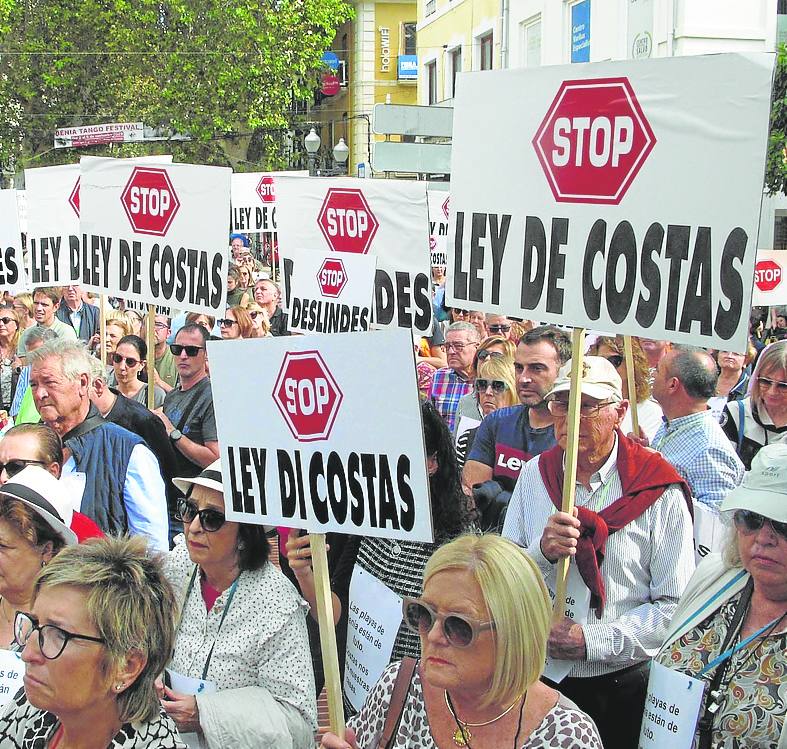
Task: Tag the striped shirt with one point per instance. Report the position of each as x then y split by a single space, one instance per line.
448 386
702 454
645 570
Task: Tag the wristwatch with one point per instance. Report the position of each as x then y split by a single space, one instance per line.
175 435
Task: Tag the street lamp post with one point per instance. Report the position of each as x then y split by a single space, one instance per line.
340 154
312 143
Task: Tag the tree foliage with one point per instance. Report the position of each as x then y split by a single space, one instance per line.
776 165
220 70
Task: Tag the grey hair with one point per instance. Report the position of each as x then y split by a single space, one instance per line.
74 357
468 327
695 369
39 333
772 357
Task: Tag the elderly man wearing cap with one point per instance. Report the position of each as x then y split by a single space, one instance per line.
730 628
630 544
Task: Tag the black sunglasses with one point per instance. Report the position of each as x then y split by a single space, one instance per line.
486 353
15 465
498 386
499 328
177 349
750 522
210 520
226 322
460 631
615 360
130 360
6 320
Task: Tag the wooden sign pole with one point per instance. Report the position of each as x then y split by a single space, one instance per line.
570 473
151 366
629 354
330 659
102 329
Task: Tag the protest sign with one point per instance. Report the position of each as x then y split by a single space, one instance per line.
770 282
12 275
156 233
627 207
384 218
254 201
330 292
12 671
439 203
315 456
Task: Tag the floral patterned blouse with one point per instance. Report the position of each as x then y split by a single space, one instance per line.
754 689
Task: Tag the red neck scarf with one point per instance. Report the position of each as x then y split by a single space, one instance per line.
644 475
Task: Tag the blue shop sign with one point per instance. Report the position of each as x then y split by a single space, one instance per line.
580 31
408 68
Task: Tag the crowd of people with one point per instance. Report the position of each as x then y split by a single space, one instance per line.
143 617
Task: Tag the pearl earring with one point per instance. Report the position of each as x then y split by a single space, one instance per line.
118 687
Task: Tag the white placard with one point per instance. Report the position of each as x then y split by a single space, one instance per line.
12 272
439 203
710 531
577 608
254 201
181 684
373 620
12 671
612 208
53 241
770 278
301 439
385 218
330 292
156 233
672 707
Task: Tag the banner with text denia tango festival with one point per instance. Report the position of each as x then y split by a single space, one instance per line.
156 233
384 218
631 201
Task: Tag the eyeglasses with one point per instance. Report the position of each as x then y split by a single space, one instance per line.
6 320
460 631
499 328
226 322
161 325
458 346
764 382
586 411
486 353
461 312
210 520
750 522
130 360
498 386
15 465
177 349
253 315
52 640
615 360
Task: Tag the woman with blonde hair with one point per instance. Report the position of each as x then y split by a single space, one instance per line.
483 620
9 364
23 306
261 327
118 326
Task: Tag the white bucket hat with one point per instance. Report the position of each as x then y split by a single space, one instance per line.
50 498
764 487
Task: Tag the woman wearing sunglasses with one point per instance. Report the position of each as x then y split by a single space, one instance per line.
241 674
98 630
128 363
9 364
260 327
730 628
760 419
235 324
483 620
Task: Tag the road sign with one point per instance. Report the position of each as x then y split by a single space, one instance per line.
307 395
73 198
446 207
332 277
347 222
265 189
150 201
330 84
593 140
767 275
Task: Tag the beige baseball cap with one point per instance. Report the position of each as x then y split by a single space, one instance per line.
764 487
599 380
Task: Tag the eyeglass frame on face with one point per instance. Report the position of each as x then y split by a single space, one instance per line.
191 351
42 638
778 385
476 627
499 328
226 322
613 358
560 408
484 354
24 463
160 325
186 507
131 362
458 346
6 320
498 386
748 522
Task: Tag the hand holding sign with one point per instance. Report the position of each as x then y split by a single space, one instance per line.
560 536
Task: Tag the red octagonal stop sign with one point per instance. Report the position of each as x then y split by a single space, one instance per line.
307 395
265 189
346 221
332 277
593 141
73 198
150 201
767 275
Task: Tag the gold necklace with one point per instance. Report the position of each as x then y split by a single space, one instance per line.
462 733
